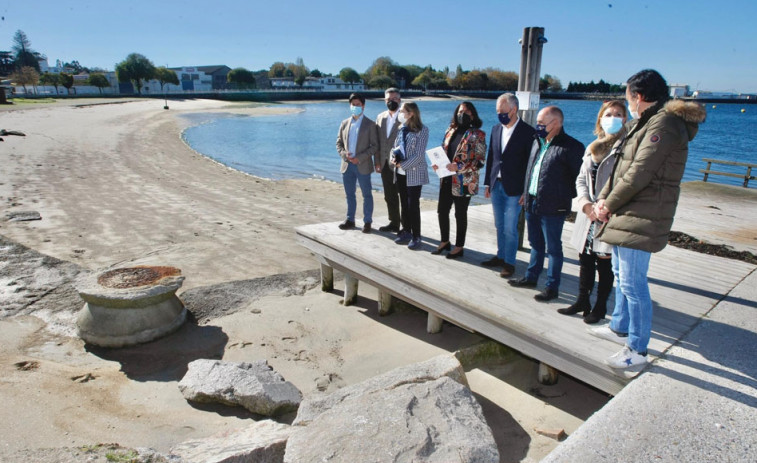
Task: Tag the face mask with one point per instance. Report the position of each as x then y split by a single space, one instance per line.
356 110
504 118
392 105
634 114
463 120
401 117
541 130
611 125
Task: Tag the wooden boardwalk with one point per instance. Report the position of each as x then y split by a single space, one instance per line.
684 285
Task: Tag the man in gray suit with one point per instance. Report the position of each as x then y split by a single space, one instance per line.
388 127
357 144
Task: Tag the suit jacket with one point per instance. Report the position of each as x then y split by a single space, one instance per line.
385 143
366 148
513 161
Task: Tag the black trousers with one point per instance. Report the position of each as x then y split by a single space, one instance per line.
446 200
391 195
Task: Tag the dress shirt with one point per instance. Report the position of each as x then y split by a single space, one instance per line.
352 137
390 122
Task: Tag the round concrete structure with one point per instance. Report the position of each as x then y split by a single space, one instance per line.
130 306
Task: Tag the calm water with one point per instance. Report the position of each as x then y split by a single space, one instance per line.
302 144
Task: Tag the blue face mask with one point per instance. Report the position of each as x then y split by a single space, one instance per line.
356 110
611 125
541 130
504 118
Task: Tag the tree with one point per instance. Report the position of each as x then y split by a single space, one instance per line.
50 79
241 77
316 73
501 80
75 67
475 80
166 76
551 83
98 80
382 82
67 80
24 53
6 63
300 71
26 75
135 68
457 80
277 69
349 75
424 78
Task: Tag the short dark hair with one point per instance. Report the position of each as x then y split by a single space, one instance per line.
649 84
475 122
357 96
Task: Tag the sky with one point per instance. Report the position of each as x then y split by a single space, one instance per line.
709 45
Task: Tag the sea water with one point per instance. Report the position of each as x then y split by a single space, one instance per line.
302 143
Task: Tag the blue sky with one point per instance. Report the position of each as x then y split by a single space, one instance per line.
710 45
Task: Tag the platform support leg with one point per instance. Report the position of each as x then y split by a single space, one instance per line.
350 289
385 301
547 375
434 324
327 278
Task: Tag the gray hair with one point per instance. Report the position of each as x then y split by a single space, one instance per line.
392 90
512 100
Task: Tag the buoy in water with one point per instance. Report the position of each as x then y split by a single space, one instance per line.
743 110
714 106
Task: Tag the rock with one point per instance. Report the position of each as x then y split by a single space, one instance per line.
262 442
23 216
556 434
433 421
443 365
254 386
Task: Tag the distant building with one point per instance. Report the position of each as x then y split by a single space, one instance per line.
328 83
202 78
719 95
679 90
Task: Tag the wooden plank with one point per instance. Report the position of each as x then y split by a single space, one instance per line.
727 174
730 163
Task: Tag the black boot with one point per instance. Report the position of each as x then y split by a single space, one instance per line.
604 287
585 285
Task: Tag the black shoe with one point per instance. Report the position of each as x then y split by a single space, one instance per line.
547 295
389 228
595 316
456 255
367 228
493 262
441 249
347 225
579 306
507 271
522 283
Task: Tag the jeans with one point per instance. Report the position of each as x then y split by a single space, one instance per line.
506 214
633 304
350 178
545 230
446 200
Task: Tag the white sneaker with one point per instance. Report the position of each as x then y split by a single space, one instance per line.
626 358
605 332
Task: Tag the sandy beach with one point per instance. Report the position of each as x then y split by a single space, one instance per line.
116 186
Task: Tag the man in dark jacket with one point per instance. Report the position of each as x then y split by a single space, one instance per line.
550 185
639 203
509 149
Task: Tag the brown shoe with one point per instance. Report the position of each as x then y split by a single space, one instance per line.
507 271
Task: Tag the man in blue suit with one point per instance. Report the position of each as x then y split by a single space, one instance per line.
509 149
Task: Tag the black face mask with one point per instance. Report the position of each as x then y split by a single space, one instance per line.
463 120
392 105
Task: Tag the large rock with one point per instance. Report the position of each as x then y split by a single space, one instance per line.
434 421
254 386
262 442
437 367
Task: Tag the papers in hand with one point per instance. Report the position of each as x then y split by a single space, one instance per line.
438 158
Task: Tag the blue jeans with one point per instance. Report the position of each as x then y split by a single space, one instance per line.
506 213
545 230
633 304
350 178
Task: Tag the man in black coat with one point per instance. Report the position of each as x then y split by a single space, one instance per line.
550 186
509 149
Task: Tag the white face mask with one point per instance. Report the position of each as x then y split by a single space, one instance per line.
401 117
634 113
611 125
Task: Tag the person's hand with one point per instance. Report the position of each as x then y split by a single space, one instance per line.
471 188
435 167
522 200
378 168
588 210
601 211
487 193
452 167
355 161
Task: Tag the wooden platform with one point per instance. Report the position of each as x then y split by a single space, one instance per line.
684 285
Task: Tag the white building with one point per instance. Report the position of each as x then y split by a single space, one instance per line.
329 83
678 90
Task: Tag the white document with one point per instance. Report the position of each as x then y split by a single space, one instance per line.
439 158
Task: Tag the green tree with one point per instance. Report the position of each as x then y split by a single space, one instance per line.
300 71
277 69
475 80
382 66
316 73
98 80
24 76
349 75
501 80
166 76
135 68
551 83
382 82
75 67
25 56
67 80
457 80
241 77
424 78
50 79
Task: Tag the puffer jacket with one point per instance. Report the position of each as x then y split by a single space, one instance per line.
642 194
